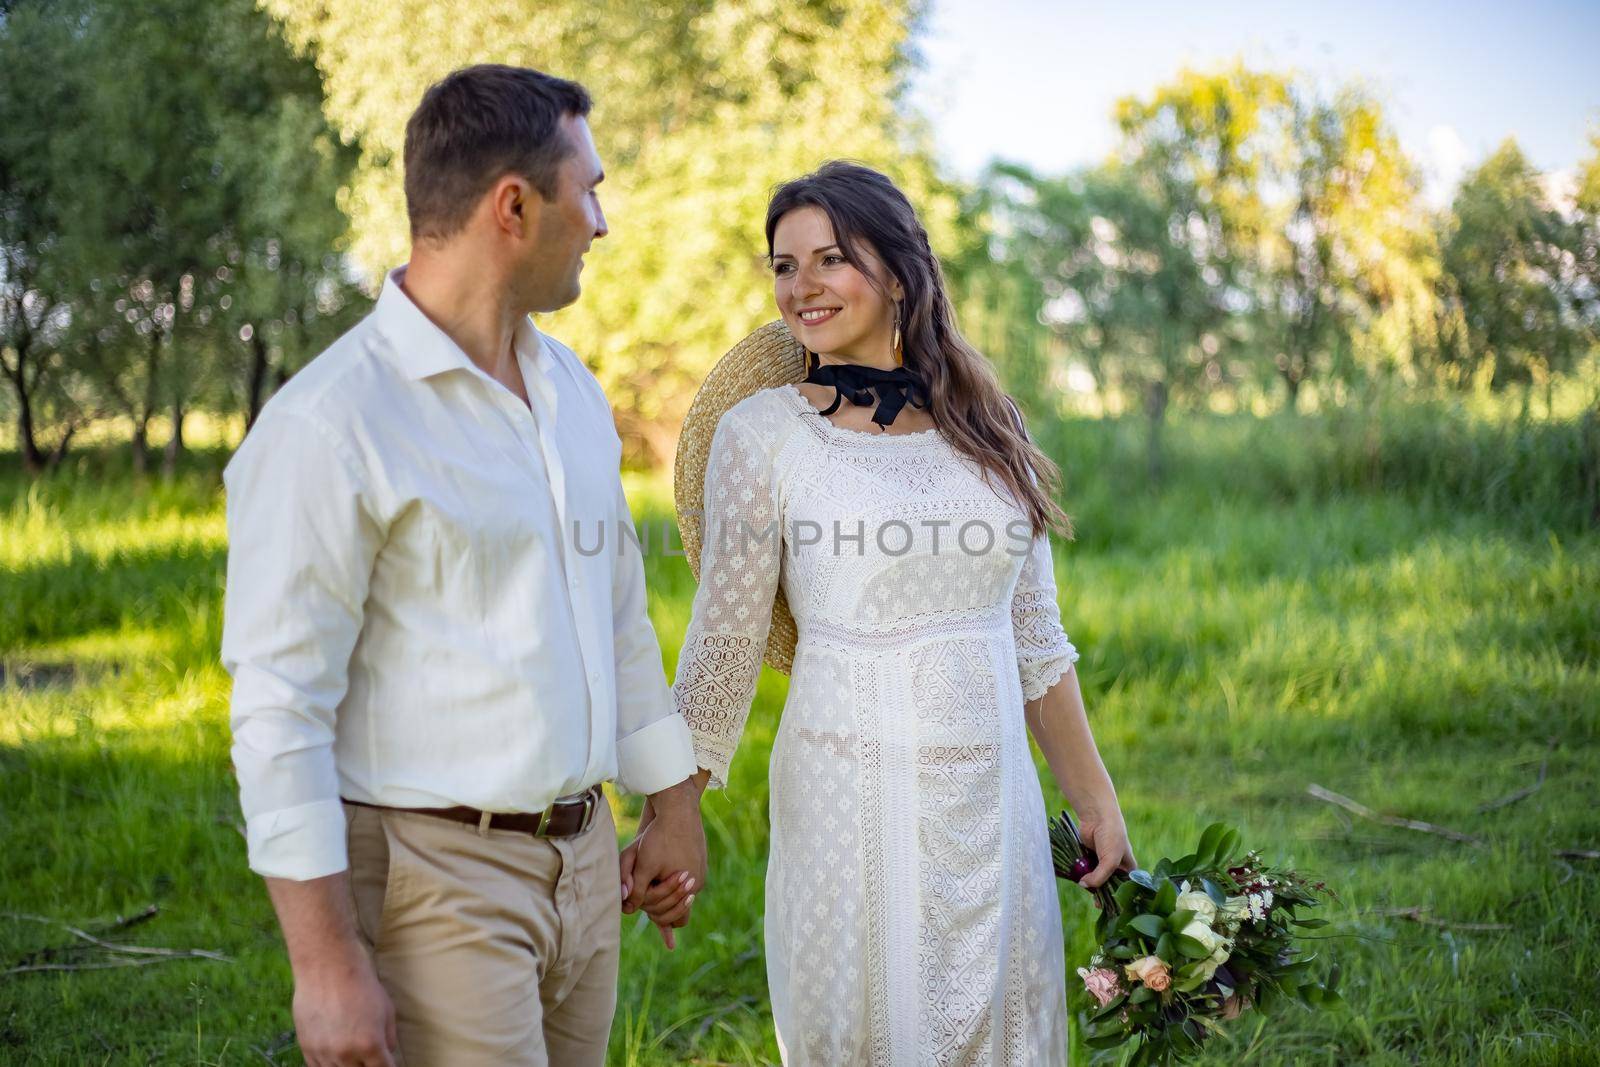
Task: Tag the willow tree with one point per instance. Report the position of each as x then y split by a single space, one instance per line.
1349 262
700 109
1518 308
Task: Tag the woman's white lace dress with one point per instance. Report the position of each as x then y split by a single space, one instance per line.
911 911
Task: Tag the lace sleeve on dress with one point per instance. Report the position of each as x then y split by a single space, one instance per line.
740 557
1043 652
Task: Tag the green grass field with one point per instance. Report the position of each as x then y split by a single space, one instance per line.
1406 613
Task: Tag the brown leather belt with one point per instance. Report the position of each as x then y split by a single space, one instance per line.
563 818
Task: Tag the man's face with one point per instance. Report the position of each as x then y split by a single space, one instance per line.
568 224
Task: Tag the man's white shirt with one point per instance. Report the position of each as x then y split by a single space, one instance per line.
431 599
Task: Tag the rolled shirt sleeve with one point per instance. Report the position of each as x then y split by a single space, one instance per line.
302 538
654 749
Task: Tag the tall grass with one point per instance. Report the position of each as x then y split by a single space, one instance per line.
1402 606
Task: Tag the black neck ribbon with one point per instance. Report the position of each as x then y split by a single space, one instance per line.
890 389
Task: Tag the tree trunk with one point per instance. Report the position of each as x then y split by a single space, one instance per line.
1155 409
146 408
33 459
257 383
141 439
174 449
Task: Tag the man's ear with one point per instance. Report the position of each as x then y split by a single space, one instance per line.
514 205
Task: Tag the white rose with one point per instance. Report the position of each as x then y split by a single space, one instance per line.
1209 939
1204 908
1219 947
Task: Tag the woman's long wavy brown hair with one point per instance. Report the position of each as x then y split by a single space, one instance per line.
966 401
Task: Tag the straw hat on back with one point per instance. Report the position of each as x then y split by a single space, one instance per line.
769 357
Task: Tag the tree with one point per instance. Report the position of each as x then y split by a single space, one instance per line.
34 309
1517 309
180 161
1348 245
701 108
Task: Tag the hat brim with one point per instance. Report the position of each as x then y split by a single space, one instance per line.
768 357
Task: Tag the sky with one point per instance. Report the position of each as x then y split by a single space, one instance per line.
1034 82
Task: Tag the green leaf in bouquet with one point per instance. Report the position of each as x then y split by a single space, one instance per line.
1166 897
1218 897
1105 1041
1125 894
1179 919
1309 924
1141 877
1333 978
1210 838
1186 864
1192 948
1125 951
1226 848
1149 925
1111 1008
1140 995
1102 1025
1165 948
1190 984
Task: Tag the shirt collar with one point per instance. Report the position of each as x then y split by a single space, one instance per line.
420 349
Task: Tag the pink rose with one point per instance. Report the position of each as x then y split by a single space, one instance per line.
1102 985
1152 971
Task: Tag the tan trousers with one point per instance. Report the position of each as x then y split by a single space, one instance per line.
496 949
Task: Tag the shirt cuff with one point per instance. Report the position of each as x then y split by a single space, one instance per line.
655 757
298 843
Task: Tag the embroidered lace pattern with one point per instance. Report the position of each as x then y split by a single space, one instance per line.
911 914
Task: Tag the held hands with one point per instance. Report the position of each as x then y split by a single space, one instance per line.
665 865
1105 834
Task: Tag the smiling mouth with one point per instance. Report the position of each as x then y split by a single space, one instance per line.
813 316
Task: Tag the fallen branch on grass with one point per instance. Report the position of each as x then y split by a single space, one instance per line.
1356 808
1577 853
1419 914
123 955
1526 791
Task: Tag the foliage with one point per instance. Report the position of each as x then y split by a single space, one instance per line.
1517 308
700 109
178 166
1194 941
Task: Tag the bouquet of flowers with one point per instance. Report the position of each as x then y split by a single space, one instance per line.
1193 942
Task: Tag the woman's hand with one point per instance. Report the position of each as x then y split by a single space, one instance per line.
668 898
1105 834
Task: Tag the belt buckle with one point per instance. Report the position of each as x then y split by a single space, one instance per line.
588 801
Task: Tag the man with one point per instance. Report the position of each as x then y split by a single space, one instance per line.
430 679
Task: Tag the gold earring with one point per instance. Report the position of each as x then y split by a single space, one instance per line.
899 350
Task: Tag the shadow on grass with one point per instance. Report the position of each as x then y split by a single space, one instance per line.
178 586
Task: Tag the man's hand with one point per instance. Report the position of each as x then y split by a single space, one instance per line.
343 1018
665 865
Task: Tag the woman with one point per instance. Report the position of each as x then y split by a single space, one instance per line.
911 913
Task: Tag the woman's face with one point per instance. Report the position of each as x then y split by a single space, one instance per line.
829 305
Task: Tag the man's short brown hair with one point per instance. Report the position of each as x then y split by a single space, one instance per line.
477 125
